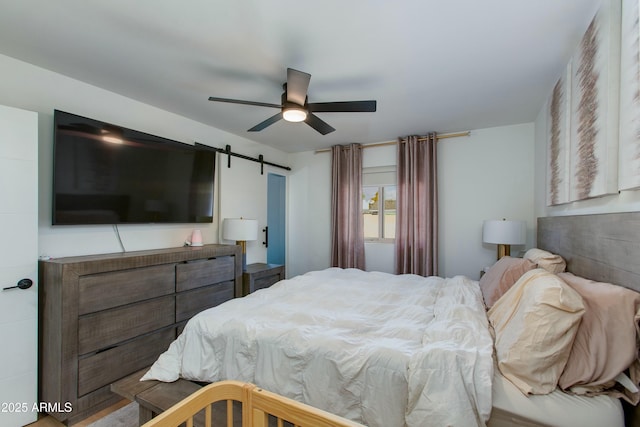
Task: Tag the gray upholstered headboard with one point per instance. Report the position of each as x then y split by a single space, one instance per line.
601 247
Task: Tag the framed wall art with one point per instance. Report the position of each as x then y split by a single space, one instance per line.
558 126
629 144
595 106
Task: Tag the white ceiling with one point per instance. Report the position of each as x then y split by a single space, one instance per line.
432 65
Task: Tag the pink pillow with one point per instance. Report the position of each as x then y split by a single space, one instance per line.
606 342
501 276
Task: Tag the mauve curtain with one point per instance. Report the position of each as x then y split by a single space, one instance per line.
347 235
417 206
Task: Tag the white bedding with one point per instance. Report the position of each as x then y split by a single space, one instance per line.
379 349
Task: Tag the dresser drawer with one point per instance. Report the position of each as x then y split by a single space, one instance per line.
106 290
105 328
110 365
196 274
192 302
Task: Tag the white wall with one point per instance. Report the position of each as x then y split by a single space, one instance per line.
309 211
625 201
241 189
488 175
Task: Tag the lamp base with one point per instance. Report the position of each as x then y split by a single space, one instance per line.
504 250
243 245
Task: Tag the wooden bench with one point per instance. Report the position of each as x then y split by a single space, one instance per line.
153 397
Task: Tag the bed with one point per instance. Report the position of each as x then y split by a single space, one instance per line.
335 338
394 370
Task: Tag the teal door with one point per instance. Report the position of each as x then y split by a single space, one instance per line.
276 192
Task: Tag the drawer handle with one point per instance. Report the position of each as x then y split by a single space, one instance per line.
102 350
194 261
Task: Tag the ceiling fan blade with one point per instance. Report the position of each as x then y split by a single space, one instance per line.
318 124
343 107
297 85
271 120
239 101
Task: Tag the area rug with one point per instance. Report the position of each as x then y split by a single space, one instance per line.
127 416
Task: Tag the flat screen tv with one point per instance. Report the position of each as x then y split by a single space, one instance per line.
108 174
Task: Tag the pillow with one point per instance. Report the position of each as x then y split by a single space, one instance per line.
535 323
501 276
606 343
550 262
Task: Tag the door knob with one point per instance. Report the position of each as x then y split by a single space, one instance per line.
22 284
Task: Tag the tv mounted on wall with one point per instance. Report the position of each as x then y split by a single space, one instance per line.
107 174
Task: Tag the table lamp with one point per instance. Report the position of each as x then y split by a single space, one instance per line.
241 230
503 233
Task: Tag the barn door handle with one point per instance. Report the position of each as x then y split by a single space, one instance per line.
22 284
266 237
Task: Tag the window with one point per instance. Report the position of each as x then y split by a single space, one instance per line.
379 210
379 204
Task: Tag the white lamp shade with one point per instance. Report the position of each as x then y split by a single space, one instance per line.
503 232
240 229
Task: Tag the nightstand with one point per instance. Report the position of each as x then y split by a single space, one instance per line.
260 275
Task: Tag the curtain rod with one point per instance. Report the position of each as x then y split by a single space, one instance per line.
380 144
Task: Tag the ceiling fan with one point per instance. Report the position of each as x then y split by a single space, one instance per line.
295 108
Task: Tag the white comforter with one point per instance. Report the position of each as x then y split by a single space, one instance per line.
376 348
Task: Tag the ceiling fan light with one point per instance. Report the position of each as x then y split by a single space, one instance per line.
112 139
294 114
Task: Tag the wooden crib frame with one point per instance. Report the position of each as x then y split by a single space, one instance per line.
257 406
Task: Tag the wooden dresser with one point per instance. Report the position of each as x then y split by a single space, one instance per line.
103 317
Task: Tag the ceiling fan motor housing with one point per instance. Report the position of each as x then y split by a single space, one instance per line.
291 111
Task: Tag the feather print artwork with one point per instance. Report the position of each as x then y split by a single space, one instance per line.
554 150
558 110
588 109
595 100
629 174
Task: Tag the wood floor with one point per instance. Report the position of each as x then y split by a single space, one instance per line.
49 421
